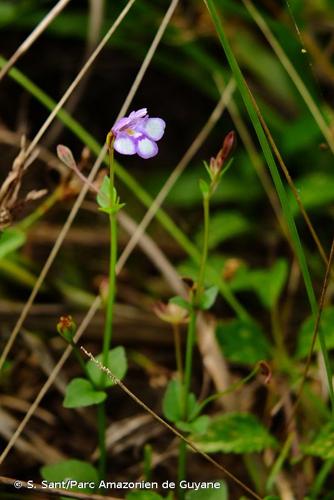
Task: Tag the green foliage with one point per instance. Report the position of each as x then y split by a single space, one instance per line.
323 444
197 426
305 333
103 198
220 493
172 403
71 469
10 240
81 392
181 302
208 298
225 225
235 433
117 363
243 342
266 283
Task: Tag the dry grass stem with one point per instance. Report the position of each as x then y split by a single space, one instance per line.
52 14
80 75
291 72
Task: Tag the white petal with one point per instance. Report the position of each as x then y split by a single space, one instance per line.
125 145
146 148
154 128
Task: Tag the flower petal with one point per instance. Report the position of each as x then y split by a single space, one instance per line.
125 145
146 148
154 128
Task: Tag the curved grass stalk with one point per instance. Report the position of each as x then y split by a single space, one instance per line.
249 103
298 82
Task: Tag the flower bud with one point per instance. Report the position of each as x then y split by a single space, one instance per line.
217 163
67 327
171 313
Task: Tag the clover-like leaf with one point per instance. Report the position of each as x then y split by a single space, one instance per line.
81 392
172 403
117 363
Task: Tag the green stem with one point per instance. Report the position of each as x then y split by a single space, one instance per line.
107 337
191 337
201 277
178 353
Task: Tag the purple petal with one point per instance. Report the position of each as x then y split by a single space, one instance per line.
154 128
121 124
134 115
146 148
125 144
129 121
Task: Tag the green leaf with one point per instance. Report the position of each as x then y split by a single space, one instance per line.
204 187
224 226
235 433
208 298
266 283
103 197
10 240
217 493
76 470
323 444
143 495
80 392
180 301
198 426
243 342
117 364
172 402
305 333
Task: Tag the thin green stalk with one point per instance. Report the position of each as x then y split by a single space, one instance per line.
129 181
148 462
200 282
276 468
326 468
248 101
107 337
178 353
191 335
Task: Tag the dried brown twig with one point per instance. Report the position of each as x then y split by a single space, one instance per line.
10 203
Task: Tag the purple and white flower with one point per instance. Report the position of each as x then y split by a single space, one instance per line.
137 134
